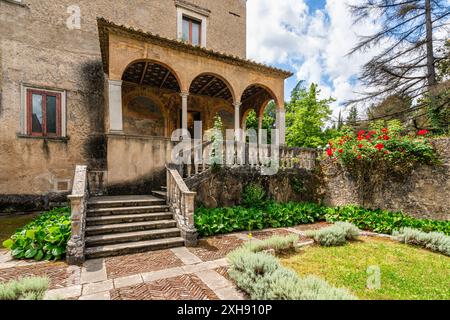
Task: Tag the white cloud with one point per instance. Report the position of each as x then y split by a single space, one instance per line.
314 44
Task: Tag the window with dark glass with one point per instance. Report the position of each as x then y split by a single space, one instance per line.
192 31
44 113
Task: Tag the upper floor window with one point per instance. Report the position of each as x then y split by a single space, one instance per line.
192 23
43 113
192 31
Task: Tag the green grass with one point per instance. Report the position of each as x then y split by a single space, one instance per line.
407 273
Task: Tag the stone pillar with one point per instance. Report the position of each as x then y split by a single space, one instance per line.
237 121
115 106
184 113
281 125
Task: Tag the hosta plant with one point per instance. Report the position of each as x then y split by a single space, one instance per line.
45 238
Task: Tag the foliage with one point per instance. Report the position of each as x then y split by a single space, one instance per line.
24 289
254 196
434 241
306 115
407 272
217 142
277 243
268 121
392 107
352 119
383 146
383 221
438 108
44 238
336 235
274 215
406 65
263 278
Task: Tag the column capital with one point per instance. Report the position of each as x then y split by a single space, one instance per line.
237 104
115 82
184 94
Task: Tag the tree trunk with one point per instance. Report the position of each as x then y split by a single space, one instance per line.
431 76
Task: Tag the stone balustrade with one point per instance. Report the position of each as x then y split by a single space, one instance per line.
181 202
78 203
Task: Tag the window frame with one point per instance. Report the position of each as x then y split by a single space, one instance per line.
191 22
29 112
197 15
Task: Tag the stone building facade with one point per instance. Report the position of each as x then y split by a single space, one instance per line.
110 91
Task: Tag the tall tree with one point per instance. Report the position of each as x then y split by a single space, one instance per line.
393 107
409 34
306 116
352 119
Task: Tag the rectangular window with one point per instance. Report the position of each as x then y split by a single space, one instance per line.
192 31
43 113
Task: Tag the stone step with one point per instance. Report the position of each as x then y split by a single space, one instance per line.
160 194
132 237
132 247
137 217
127 210
128 201
129 227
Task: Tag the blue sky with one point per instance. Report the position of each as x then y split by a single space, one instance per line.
311 38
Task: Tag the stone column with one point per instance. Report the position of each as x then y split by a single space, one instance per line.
184 113
237 121
281 125
115 106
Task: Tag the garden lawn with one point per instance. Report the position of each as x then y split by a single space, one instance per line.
407 272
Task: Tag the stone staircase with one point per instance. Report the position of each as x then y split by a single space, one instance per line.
130 224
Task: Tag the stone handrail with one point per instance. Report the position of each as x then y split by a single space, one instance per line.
181 202
256 155
78 203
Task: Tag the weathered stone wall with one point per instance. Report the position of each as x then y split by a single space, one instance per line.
425 192
224 186
38 49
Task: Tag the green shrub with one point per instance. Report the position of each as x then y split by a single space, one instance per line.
383 221
32 288
275 215
44 238
336 235
434 241
263 278
254 196
277 243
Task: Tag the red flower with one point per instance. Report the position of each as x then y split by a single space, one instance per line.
380 146
360 146
359 157
330 152
423 132
341 151
341 142
386 137
361 133
360 138
385 130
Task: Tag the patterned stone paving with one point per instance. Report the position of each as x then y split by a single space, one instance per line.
185 287
199 273
215 248
60 274
117 267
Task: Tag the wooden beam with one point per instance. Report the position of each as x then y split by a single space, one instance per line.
221 91
143 73
165 79
206 85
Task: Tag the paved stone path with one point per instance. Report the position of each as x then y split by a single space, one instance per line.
181 273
